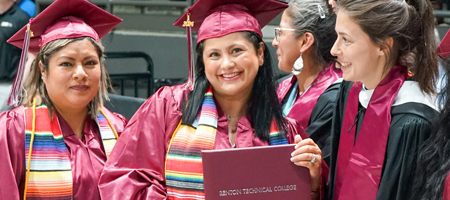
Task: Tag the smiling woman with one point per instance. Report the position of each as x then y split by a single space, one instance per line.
58 140
382 116
233 105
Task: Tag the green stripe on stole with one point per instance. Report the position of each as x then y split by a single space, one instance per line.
50 168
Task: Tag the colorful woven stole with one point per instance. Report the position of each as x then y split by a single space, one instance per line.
50 174
184 171
360 163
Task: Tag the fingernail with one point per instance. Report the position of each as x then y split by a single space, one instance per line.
292 159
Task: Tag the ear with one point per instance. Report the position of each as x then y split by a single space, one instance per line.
307 39
261 53
43 72
384 50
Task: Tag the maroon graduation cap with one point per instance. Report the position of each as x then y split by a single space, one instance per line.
63 19
216 18
444 46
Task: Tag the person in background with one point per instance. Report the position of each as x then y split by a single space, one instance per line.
384 109
55 144
303 41
28 6
11 20
233 104
432 180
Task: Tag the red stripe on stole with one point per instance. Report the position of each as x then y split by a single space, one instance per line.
42 115
55 127
180 166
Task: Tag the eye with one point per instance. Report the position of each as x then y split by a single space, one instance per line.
91 62
236 50
345 40
65 64
214 54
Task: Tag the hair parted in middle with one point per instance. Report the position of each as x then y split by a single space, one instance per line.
262 106
35 86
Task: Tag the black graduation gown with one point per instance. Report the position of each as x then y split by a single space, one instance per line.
410 127
319 128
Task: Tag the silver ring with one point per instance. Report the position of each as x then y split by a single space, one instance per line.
313 160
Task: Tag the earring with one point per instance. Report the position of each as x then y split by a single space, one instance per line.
298 66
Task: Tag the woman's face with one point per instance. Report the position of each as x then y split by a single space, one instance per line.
73 78
231 64
360 58
288 47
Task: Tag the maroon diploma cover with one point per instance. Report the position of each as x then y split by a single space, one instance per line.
254 173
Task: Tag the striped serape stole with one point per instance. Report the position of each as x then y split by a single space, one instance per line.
184 171
276 137
106 131
50 169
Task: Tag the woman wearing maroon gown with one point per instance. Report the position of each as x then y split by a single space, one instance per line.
55 144
233 104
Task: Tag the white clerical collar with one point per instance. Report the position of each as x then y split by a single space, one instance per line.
365 95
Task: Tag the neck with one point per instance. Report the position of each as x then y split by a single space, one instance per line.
378 75
233 106
310 72
5 6
75 119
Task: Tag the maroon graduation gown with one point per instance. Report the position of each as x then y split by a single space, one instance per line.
135 169
87 158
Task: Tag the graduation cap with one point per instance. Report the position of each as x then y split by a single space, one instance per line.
444 46
63 19
216 18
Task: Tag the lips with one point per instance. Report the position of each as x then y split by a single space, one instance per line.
231 76
80 87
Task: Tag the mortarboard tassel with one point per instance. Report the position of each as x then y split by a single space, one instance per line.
191 76
15 96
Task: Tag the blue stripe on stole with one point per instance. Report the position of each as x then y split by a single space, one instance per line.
105 129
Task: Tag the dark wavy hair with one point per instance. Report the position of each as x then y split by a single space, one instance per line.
410 24
433 162
262 106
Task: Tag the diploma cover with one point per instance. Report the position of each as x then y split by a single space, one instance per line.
254 173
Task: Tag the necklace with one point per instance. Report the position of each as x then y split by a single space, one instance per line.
229 117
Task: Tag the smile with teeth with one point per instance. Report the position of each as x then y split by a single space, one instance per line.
346 64
230 75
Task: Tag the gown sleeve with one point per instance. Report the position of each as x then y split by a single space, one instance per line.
407 133
135 168
319 128
12 159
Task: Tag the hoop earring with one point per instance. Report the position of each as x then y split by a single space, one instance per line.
298 66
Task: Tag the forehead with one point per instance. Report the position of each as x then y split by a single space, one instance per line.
226 40
286 20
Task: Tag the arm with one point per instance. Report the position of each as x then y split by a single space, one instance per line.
135 169
12 159
319 128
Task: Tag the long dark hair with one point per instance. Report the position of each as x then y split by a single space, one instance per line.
433 162
410 24
262 105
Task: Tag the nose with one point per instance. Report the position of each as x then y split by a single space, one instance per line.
227 62
335 51
275 42
79 72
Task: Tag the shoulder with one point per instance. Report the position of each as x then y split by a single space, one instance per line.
174 94
331 92
411 93
12 122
